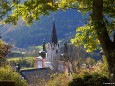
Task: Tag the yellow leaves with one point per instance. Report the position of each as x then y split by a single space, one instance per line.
24 18
6 73
98 41
83 28
83 3
50 4
88 50
85 46
87 37
72 41
64 4
59 80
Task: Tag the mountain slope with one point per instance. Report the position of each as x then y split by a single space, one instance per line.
23 36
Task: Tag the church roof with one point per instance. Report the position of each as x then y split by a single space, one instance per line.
32 75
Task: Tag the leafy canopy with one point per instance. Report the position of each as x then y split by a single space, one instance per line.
7 73
4 49
31 10
86 35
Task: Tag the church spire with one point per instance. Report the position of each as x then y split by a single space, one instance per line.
54 39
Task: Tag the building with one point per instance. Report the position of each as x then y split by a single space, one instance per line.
53 46
51 57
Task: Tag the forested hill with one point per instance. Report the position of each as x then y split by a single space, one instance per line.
23 36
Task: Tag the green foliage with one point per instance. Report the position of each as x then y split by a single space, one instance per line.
87 37
85 6
58 80
104 67
81 5
90 61
4 8
4 49
87 79
24 62
30 10
6 73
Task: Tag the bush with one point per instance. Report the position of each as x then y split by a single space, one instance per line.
87 79
24 62
6 73
58 80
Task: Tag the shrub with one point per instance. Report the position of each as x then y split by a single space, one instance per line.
24 62
6 73
87 79
58 80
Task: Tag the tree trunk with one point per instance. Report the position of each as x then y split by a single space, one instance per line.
107 45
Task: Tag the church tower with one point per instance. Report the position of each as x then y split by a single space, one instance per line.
53 52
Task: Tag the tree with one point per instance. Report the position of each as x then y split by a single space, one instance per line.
7 73
4 49
28 11
102 31
4 8
99 27
75 53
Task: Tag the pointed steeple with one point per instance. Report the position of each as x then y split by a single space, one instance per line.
54 38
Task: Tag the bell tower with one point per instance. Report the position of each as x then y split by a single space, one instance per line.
53 52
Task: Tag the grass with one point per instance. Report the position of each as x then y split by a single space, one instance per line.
18 58
28 68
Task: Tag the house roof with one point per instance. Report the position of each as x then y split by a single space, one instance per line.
34 75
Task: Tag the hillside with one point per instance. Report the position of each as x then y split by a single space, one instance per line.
22 36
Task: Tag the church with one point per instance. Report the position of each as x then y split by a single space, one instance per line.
51 57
